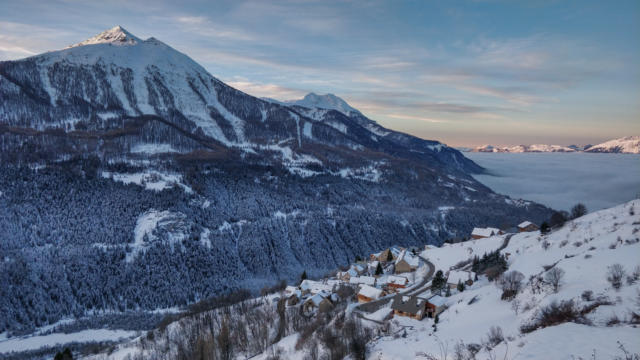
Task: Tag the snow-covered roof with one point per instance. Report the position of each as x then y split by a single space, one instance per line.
315 286
397 280
352 272
410 259
485 232
369 291
524 224
437 300
334 282
317 299
374 264
368 280
456 276
290 289
359 268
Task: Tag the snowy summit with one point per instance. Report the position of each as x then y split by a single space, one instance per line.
328 101
116 36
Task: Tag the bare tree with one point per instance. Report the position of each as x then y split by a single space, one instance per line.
615 275
224 341
511 283
554 277
578 210
515 305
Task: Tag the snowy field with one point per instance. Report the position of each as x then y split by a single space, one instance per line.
560 180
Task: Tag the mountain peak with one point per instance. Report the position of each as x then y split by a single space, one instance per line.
116 35
327 101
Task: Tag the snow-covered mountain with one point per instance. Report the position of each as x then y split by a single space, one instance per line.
524 148
625 145
124 163
131 92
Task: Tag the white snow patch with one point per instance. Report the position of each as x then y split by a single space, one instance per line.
35 342
153 149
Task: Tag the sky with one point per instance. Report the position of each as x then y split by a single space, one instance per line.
466 73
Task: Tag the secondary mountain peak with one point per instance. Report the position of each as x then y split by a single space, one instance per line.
327 101
116 35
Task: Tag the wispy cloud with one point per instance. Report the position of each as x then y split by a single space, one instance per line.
420 118
267 90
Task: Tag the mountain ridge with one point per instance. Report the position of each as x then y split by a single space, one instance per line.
132 167
625 145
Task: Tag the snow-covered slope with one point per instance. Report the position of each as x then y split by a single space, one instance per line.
627 145
585 249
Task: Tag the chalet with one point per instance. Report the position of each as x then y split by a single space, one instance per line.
480 233
373 266
456 276
343 275
368 293
435 305
406 263
411 306
319 301
383 256
397 282
527 226
292 294
363 280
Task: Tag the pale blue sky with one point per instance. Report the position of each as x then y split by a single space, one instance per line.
462 72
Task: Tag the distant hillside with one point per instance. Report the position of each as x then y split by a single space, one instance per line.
625 145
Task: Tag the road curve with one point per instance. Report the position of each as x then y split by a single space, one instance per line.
375 305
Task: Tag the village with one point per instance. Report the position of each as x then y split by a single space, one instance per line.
405 278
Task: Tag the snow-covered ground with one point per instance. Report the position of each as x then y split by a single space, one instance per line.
560 180
35 342
584 249
151 180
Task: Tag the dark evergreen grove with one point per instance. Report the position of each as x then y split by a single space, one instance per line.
67 232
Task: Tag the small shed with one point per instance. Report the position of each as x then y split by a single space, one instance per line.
527 226
435 305
481 233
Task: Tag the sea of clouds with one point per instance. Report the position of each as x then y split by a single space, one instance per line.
560 180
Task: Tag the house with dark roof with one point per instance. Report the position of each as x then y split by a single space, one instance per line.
418 306
410 306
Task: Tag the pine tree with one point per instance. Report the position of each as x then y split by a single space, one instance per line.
544 228
438 282
379 269
303 277
448 292
389 256
460 286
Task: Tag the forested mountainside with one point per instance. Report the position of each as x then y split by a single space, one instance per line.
132 179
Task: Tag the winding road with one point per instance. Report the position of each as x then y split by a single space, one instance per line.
376 305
